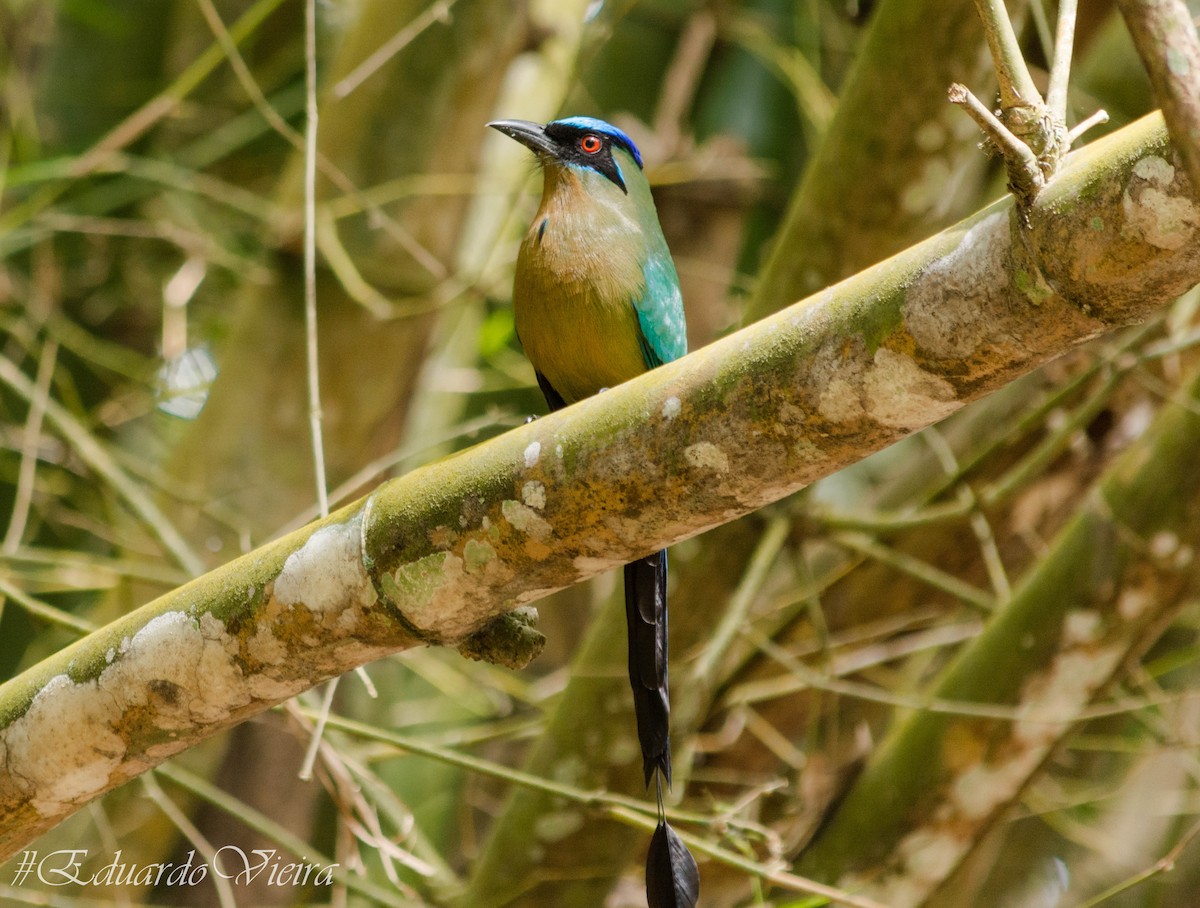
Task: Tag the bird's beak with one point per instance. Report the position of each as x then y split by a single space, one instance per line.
531 135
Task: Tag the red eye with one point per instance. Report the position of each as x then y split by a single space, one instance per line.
590 144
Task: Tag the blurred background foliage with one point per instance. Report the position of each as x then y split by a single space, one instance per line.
153 424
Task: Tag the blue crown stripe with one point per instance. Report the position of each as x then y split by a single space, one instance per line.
594 125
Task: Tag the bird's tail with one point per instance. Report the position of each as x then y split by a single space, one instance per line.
672 880
646 617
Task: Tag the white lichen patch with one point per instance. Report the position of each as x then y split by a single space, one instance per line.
70 745
839 402
432 591
704 455
526 519
1155 207
413 586
986 786
670 408
264 687
327 572
533 453
1055 696
533 493
902 395
477 554
63 750
945 308
1164 544
589 566
927 856
1133 602
184 665
1082 627
438 593
931 854
1155 170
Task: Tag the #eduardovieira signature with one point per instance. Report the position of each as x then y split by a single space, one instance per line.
66 867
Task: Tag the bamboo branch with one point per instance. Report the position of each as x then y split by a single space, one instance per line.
1165 37
1016 83
441 554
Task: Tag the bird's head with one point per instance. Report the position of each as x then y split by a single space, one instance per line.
584 143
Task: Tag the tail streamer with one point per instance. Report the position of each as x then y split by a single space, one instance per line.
672 879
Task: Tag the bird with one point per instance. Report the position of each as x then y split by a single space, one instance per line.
596 301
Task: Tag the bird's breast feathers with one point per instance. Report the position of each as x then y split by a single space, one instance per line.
593 275
579 272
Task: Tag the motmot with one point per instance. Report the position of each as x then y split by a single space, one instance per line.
596 301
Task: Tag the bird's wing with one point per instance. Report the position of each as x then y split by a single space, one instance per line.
663 333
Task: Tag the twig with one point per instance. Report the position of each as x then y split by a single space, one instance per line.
310 252
182 822
285 838
161 105
1100 116
48 613
95 456
980 525
804 677
1038 460
915 567
1164 865
781 878
1060 69
310 322
765 553
328 168
626 810
1016 83
1023 168
1034 136
27 473
438 12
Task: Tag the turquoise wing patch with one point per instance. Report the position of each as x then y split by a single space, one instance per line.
663 335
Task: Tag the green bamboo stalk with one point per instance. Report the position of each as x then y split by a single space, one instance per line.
1113 579
906 140
1165 36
